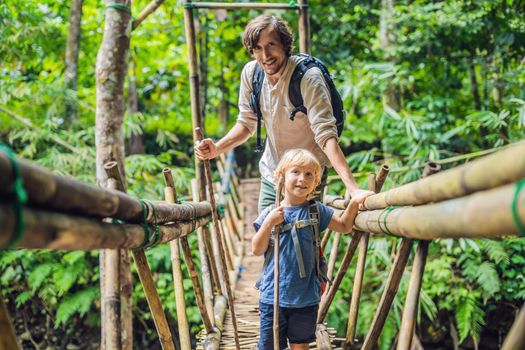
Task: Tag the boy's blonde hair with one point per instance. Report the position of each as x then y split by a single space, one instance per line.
298 157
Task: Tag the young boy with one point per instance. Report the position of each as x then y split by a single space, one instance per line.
299 285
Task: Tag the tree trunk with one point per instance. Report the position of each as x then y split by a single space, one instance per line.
386 36
135 143
112 65
72 48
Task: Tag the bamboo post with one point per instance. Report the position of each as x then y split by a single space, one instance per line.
277 232
388 295
116 323
170 195
304 27
516 337
333 255
408 321
375 183
192 271
325 239
215 217
144 272
111 298
206 260
8 340
328 297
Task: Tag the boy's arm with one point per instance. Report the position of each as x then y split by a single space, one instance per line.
261 239
345 222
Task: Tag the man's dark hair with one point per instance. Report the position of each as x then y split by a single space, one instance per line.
258 24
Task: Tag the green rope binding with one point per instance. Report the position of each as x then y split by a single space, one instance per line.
514 208
20 197
122 7
385 212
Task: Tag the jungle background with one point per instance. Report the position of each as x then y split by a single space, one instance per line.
421 80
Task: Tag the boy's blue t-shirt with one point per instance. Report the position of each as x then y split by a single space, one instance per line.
294 291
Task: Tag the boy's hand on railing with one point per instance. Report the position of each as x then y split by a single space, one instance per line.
359 195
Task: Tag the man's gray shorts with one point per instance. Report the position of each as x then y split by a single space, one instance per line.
267 191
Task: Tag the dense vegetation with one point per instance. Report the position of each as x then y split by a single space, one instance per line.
421 80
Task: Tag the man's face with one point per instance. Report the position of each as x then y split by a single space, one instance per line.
270 55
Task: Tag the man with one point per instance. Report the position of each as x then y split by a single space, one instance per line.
269 40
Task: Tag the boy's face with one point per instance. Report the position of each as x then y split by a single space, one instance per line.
299 182
269 53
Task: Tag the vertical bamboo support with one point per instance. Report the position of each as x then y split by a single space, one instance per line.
391 286
209 182
516 337
206 260
111 300
408 321
144 272
304 27
333 254
276 233
375 183
328 297
8 339
325 239
170 195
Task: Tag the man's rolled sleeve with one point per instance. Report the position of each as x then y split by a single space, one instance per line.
316 96
246 116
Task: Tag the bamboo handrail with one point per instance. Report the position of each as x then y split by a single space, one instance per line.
170 195
484 214
482 174
215 219
242 5
47 230
67 195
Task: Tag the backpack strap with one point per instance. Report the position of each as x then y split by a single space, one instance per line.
255 102
314 214
294 91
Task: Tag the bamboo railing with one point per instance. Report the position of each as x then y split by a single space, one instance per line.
49 223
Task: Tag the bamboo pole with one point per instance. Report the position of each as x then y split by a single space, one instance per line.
170 195
328 297
192 271
375 184
516 337
225 172
304 27
121 259
8 340
333 255
111 299
484 214
144 272
491 171
215 217
325 239
391 286
152 297
47 230
148 10
241 5
276 233
206 261
408 321
67 195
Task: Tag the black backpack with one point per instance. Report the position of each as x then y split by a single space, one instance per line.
294 93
